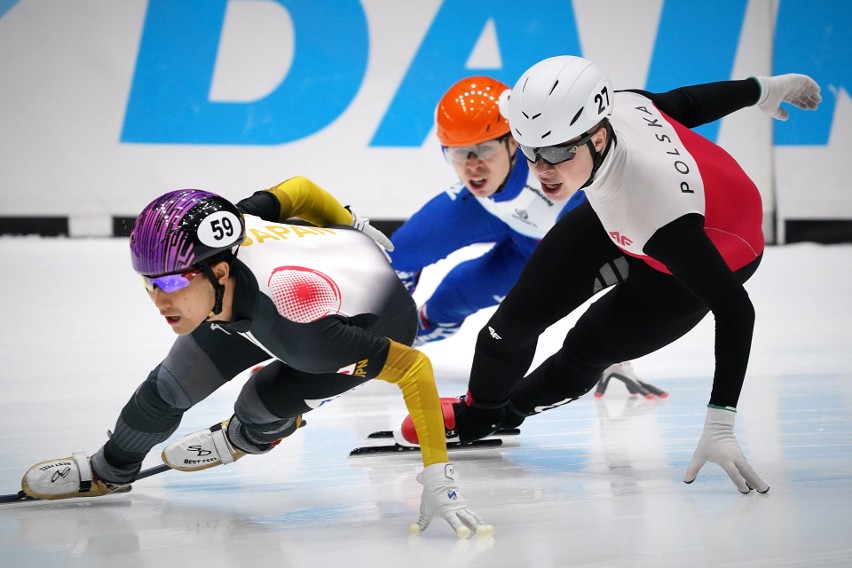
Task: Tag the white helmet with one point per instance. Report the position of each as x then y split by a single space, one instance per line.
556 100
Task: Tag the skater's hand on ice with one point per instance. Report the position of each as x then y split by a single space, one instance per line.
441 496
718 445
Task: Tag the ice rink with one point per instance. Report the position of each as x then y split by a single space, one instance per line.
596 483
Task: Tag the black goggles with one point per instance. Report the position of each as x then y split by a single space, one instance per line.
553 155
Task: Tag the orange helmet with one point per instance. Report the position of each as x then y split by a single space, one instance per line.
468 113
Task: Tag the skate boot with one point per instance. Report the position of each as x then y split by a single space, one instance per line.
66 478
624 372
203 449
212 446
463 422
406 434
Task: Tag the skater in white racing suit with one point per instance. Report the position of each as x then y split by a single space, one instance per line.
676 206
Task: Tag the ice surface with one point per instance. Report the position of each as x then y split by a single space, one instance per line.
596 483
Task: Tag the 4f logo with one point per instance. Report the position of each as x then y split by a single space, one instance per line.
621 240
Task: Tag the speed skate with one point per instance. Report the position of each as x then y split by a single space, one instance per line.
493 441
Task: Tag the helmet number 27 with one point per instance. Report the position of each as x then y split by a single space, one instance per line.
602 99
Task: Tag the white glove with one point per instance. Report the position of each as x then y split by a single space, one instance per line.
798 90
441 494
718 445
363 225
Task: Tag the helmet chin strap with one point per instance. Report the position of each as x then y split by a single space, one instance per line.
217 287
511 166
598 157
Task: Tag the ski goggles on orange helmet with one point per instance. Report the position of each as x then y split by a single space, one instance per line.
557 154
169 283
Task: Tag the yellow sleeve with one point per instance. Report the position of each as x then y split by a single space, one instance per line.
411 371
302 198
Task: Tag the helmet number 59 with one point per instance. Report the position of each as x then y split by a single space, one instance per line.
219 229
222 228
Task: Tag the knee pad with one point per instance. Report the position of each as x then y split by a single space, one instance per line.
256 407
259 439
158 404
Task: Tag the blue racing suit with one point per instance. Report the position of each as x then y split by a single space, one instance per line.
515 219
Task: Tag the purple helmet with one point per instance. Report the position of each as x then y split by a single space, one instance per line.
181 228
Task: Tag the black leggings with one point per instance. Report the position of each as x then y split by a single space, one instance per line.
644 311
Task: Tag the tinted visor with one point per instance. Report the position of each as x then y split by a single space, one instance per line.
169 283
557 154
